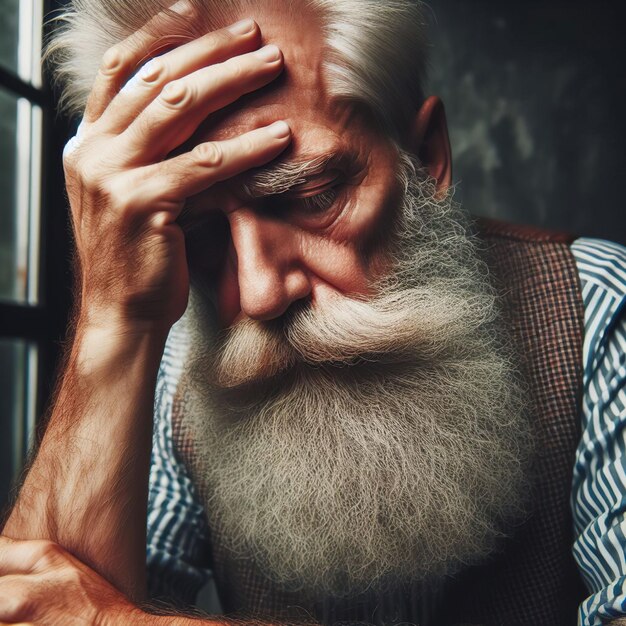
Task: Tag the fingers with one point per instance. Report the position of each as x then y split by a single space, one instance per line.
120 60
208 163
23 557
147 83
183 104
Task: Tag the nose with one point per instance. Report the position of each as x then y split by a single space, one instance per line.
270 268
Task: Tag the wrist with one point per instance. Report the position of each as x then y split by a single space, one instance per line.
115 323
114 349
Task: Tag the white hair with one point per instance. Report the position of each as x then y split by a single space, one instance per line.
375 50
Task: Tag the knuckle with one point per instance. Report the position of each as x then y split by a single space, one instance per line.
119 194
209 154
154 72
247 145
176 94
159 221
90 175
113 60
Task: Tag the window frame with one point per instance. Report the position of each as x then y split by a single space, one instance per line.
44 324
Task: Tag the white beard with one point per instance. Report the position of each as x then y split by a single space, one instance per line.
371 443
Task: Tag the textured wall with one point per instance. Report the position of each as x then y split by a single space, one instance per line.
534 93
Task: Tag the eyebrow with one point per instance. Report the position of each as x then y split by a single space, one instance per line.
280 177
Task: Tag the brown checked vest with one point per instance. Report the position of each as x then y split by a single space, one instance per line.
533 580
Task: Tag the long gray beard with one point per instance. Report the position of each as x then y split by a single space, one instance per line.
367 443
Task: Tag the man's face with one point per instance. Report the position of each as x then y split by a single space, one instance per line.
320 236
360 421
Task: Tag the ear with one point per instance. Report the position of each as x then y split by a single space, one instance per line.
430 142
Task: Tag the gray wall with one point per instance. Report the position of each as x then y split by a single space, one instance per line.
534 93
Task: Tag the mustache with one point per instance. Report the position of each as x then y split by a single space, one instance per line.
416 323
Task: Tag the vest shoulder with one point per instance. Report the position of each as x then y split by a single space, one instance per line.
490 228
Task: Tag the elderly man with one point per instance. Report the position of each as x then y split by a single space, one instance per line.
368 406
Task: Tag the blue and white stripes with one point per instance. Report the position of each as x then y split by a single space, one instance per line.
177 532
599 481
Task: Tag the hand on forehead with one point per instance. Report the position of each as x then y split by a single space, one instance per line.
297 95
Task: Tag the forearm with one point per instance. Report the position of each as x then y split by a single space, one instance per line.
87 487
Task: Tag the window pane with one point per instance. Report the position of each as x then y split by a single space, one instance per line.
9 287
18 366
20 180
9 33
20 38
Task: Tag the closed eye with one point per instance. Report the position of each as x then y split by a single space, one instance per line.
316 203
313 207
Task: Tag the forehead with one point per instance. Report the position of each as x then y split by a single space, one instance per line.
298 95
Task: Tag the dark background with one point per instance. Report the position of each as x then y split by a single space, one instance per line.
535 93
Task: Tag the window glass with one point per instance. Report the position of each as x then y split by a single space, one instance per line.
20 38
20 176
9 280
9 32
18 365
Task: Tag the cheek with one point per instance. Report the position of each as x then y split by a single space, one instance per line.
368 224
338 264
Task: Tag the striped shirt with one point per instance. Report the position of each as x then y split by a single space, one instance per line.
178 538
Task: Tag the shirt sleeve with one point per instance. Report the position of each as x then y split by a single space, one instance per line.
177 532
599 479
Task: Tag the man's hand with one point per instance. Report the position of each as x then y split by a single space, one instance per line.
87 487
40 583
124 191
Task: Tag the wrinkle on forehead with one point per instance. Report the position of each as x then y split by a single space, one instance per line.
315 133
298 94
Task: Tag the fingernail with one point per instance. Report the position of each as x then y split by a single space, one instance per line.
242 27
268 53
279 130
